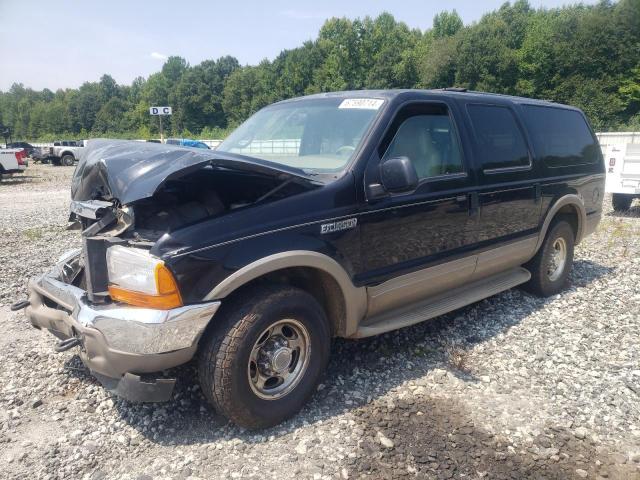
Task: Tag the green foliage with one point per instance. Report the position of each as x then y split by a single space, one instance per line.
446 24
588 56
630 89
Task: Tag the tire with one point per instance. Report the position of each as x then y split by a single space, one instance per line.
261 326
546 281
67 160
621 202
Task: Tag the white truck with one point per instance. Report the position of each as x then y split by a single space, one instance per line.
12 160
621 151
63 152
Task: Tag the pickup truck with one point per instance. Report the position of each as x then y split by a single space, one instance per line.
394 207
63 152
13 160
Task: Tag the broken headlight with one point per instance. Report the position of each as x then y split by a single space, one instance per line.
138 278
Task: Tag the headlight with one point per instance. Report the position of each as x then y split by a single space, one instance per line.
138 278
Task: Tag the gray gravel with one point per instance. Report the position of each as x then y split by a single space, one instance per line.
512 387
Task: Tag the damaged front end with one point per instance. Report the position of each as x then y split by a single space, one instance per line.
123 346
113 298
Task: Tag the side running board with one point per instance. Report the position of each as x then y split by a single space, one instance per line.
443 303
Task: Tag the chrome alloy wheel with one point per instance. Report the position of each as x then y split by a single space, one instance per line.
558 259
279 359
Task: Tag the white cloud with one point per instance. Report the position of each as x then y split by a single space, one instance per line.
302 15
158 56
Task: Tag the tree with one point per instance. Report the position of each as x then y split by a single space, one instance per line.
110 116
630 90
446 24
198 95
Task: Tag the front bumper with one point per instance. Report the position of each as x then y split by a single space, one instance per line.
117 342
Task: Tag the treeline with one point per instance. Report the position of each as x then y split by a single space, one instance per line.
587 56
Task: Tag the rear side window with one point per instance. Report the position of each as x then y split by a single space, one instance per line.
560 137
499 138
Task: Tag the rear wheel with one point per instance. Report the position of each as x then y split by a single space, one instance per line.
552 264
68 160
621 202
266 356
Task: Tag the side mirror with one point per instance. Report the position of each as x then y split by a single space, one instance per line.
398 175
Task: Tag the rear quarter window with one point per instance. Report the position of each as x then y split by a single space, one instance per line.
561 137
500 141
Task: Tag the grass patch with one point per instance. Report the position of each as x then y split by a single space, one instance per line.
34 233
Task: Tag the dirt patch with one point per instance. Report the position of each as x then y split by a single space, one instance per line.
436 438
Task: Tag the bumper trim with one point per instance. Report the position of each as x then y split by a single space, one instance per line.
128 329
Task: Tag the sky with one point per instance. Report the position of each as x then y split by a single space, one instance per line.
63 43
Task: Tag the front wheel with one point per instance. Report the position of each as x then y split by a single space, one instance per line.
552 264
266 355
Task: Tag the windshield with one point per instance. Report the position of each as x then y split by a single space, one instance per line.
317 135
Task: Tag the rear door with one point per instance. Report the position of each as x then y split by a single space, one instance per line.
509 192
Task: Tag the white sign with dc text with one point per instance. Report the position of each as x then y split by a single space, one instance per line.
160 110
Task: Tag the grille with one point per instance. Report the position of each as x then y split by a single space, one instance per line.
94 253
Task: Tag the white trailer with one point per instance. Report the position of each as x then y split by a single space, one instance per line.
621 152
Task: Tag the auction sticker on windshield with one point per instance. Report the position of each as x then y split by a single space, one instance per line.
366 103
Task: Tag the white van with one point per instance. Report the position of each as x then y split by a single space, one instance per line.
621 151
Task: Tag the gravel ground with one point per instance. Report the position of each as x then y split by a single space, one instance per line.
512 387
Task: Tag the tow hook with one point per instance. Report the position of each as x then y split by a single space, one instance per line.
19 305
67 344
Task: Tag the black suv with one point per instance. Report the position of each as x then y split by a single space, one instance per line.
341 214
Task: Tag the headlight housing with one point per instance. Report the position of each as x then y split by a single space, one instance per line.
138 278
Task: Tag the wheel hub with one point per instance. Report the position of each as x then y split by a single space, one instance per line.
278 359
557 259
281 359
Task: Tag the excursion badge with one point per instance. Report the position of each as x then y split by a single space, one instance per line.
338 226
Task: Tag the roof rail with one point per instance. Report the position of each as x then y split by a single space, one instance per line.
454 89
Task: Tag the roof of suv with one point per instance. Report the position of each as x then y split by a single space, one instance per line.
457 93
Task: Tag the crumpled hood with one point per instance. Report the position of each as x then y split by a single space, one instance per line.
127 170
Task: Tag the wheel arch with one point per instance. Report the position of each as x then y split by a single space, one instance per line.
316 273
573 208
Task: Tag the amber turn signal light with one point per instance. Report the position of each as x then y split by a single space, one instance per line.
168 295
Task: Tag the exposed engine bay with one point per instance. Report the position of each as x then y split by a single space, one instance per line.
141 191
207 193
204 194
